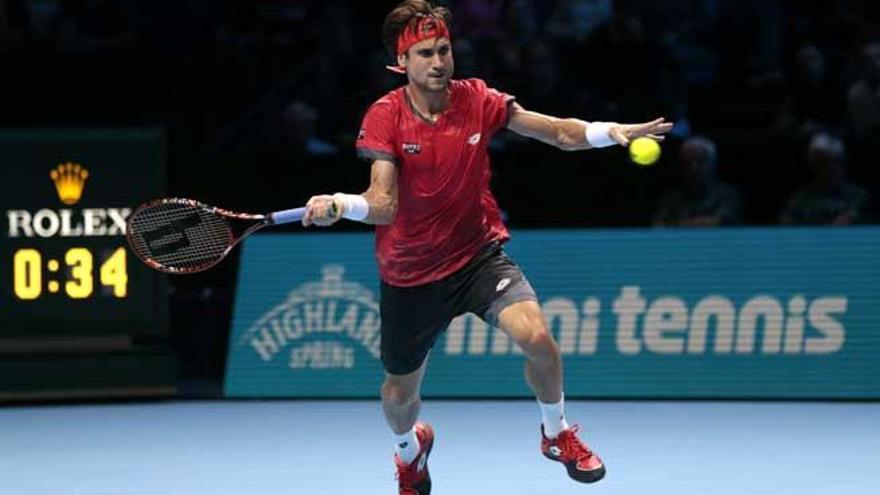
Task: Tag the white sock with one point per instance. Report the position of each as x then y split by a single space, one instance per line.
407 445
554 417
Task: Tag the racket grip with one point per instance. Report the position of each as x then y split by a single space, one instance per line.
287 216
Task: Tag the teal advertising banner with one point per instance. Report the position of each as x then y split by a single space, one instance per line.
726 313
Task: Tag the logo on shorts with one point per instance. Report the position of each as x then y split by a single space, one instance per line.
321 323
412 148
502 284
474 139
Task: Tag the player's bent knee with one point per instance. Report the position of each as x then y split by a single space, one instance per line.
540 339
540 347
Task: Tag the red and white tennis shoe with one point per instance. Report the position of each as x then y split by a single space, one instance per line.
580 462
413 478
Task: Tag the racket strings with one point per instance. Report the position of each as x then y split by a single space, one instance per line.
179 236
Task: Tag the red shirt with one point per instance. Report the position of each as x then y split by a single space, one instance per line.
445 210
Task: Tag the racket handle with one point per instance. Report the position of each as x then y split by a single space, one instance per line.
286 216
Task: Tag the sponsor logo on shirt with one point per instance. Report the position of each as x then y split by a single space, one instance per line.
412 148
362 134
474 139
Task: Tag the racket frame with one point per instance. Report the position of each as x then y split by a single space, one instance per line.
262 221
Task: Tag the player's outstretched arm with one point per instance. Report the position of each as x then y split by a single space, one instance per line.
575 134
377 205
382 194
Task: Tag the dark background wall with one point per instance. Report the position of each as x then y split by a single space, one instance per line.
261 101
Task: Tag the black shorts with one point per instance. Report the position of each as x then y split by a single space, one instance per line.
413 317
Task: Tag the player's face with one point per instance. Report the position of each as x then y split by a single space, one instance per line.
429 64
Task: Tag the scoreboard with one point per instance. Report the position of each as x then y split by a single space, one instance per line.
65 269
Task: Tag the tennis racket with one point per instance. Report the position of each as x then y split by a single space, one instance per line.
179 236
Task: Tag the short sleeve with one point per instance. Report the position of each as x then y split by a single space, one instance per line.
496 106
375 140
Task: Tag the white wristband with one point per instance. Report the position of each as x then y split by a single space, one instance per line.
355 206
597 134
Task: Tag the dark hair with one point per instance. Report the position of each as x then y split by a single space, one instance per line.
403 17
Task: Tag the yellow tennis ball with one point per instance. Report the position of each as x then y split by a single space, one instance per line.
644 151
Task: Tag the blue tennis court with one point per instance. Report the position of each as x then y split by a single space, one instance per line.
332 447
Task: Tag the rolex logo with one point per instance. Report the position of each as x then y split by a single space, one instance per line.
70 179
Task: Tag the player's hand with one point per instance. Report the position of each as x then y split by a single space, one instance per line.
322 210
655 129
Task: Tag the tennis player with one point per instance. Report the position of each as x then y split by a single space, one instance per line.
439 234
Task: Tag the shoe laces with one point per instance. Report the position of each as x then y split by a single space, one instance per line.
571 444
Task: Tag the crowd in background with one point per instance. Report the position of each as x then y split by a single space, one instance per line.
776 103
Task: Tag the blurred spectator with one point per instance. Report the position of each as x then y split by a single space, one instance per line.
864 95
632 75
337 34
841 26
814 102
221 77
750 40
336 58
574 20
688 27
542 86
479 20
298 121
701 200
829 198
524 20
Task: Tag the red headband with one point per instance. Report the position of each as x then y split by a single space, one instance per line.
426 27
